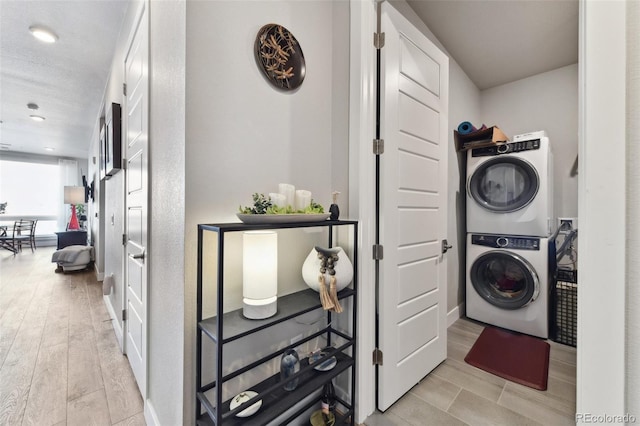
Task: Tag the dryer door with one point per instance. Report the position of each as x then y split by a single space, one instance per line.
504 279
504 184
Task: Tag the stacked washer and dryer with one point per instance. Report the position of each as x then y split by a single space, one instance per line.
509 221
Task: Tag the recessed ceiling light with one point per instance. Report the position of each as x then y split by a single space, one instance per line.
37 117
32 106
43 34
48 148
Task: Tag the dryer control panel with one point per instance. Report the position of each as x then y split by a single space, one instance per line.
513 242
506 148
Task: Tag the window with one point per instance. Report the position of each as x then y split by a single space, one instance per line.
31 189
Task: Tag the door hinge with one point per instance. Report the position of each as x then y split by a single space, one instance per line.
445 246
124 315
123 165
378 40
378 146
124 239
124 89
377 357
378 252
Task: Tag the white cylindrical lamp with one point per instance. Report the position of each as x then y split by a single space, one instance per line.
259 274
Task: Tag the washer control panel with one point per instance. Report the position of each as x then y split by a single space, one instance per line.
506 148
514 242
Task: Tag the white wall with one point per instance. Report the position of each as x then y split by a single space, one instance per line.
245 136
166 255
464 105
633 206
547 101
111 216
96 226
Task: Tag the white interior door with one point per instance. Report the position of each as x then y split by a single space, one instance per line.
136 109
413 219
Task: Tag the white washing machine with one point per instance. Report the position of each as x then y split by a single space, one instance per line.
508 282
510 187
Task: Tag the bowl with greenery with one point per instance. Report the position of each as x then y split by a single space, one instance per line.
264 210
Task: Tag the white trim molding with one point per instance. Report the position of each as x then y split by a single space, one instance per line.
600 371
454 314
361 191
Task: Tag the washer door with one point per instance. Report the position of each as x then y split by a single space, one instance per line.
504 279
504 184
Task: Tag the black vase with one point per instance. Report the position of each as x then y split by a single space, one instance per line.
335 212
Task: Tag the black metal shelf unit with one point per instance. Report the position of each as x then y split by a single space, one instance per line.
232 326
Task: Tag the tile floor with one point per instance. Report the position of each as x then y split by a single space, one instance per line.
455 393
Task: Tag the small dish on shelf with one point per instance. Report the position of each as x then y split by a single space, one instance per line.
326 365
323 361
243 397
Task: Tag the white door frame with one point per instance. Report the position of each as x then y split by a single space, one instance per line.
362 192
603 231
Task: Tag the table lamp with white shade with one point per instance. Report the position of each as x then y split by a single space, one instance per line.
73 195
259 274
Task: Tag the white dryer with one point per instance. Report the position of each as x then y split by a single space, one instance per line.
508 282
510 187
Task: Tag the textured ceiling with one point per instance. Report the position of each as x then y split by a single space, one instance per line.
66 79
497 41
494 41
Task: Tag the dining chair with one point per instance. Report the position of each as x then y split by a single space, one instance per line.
23 234
8 240
32 235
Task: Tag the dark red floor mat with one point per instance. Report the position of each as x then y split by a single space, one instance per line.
513 356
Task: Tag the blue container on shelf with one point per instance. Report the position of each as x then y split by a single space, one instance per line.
289 365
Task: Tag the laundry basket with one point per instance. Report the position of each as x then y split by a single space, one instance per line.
564 308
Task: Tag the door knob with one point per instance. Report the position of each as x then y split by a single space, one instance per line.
137 256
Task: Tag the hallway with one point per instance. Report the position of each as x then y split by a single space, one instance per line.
59 359
60 363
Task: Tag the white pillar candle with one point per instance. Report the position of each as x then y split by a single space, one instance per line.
303 199
289 192
278 199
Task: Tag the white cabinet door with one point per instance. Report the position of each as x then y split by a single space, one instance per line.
413 217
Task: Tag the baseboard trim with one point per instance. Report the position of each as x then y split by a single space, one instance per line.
99 275
115 322
150 415
454 314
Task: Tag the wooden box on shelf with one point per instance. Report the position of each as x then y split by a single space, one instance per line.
479 138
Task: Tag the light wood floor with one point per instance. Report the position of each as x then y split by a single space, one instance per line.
60 364
59 359
455 393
